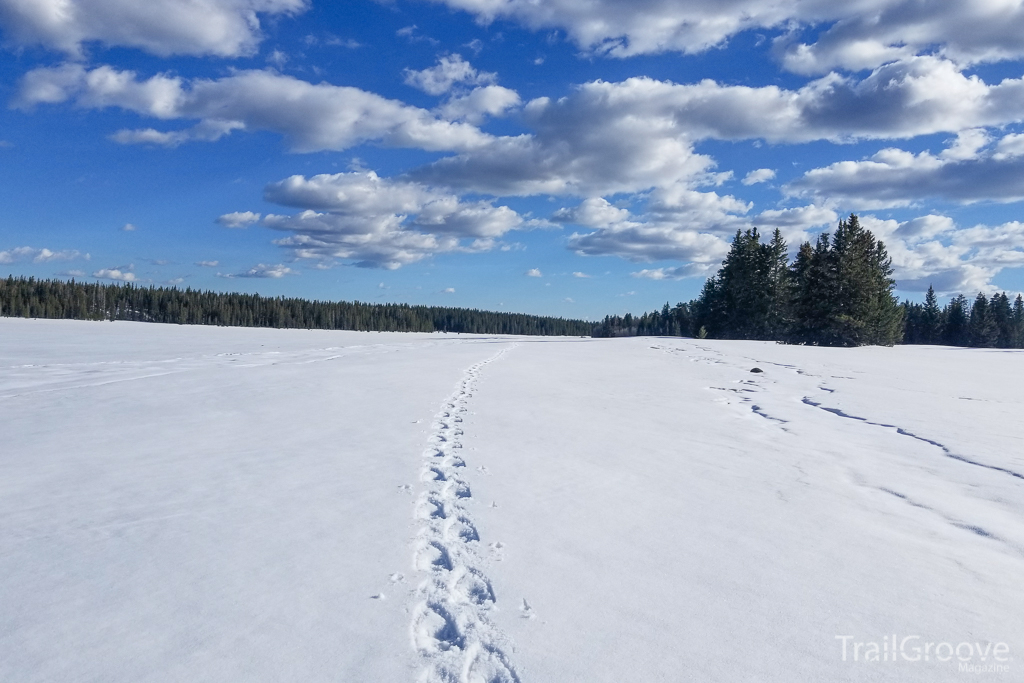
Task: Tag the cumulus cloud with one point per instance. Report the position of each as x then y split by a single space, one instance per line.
128 227
862 34
760 175
449 71
490 100
534 272
115 274
618 233
381 222
40 255
800 217
968 171
223 28
238 219
606 138
208 264
312 117
932 250
262 270
965 32
578 273
677 273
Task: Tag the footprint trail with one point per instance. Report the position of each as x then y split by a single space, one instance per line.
450 627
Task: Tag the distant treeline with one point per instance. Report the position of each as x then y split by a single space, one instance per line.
985 322
837 292
32 298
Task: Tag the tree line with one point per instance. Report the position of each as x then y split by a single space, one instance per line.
836 292
984 322
34 298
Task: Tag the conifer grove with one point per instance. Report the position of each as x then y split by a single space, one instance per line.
836 292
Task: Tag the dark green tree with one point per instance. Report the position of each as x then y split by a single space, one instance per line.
1001 312
982 330
1018 322
956 331
931 319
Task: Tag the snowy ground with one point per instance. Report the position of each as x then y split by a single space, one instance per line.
209 504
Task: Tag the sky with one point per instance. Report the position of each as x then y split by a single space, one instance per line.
544 156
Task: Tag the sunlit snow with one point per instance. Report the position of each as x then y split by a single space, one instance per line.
219 504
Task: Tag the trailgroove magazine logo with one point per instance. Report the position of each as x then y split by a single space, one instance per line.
970 657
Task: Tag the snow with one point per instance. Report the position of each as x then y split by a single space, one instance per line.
197 503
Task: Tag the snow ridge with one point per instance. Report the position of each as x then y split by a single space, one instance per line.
450 627
903 432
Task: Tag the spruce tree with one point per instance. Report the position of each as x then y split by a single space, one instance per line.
956 331
982 329
778 316
931 319
812 290
1002 319
1018 322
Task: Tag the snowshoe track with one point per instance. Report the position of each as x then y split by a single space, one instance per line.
450 627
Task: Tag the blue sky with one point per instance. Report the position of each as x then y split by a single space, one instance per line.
546 156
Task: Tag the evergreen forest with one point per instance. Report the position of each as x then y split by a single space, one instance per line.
32 298
836 292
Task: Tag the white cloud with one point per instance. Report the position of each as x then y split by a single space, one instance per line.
450 70
606 138
262 270
277 58
40 255
933 250
223 28
312 117
861 34
677 273
534 272
491 100
594 212
72 273
238 219
801 217
448 290
760 175
208 264
966 172
965 32
128 227
577 273
381 222
115 274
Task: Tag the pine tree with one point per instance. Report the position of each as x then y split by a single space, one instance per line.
1018 322
778 316
931 319
812 290
982 329
1002 319
956 331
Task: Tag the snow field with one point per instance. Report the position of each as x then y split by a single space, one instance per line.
246 505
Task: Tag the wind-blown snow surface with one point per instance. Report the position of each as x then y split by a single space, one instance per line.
196 503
